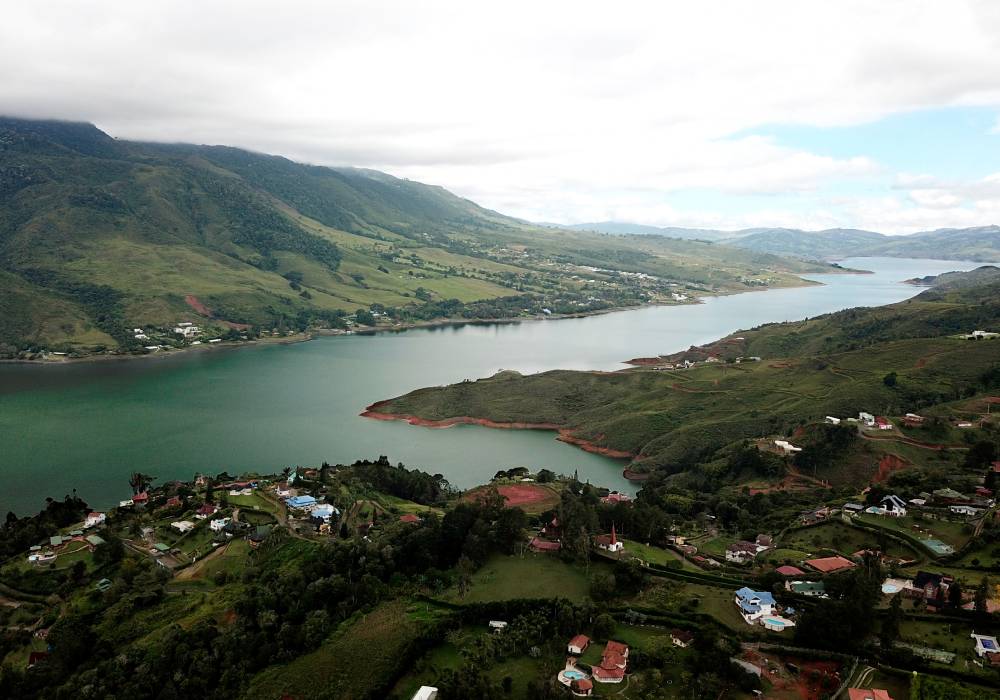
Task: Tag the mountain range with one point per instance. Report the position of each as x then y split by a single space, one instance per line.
980 243
102 239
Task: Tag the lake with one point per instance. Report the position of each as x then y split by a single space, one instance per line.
88 425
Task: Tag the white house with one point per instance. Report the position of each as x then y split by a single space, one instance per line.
867 419
425 692
969 511
94 519
754 604
787 447
497 626
578 644
183 525
217 525
985 645
126 504
894 506
832 420
741 552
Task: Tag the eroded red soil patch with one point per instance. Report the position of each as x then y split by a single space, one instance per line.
196 304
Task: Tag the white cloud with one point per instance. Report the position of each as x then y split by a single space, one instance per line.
550 110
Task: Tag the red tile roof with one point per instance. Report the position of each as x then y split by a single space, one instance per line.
789 571
541 545
868 694
582 684
828 565
140 497
409 518
580 641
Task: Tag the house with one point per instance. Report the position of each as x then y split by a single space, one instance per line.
578 644
324 512
300 502
95 540
789 571
259 534
987 648
610 542
681 638
741 552
283 490
615 497
787 447
866 419
37 657
126 503
103 585
140 499
581 687
853 508
173 501
894 506
425 692
912 420
968 511
868 694
754 604
832 420
552 530
829 565
537 544
187 330
218 525
409 518
929 586
813 589
57 541
882 423
94 519
205 511
497 626
183 525
764 542
613 663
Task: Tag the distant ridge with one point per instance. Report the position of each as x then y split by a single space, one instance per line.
978 243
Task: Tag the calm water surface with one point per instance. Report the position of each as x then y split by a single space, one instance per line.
88 425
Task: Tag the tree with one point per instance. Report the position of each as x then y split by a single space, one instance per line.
982 597
955 594
890 379
890 625
604 626
465 569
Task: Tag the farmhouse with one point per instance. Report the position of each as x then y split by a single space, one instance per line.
741 552
828 565
754 604
578 644
613 663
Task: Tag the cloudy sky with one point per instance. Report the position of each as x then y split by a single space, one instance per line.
715 114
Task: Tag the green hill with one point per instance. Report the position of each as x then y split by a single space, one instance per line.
832 365
99 236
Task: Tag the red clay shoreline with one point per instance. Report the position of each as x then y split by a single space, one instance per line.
565 434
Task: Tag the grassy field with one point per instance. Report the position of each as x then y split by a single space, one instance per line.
379 637
837 536
656 555
531 576
954 533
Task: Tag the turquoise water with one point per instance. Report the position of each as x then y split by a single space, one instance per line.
88 425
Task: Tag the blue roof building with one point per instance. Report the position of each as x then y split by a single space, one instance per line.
300 501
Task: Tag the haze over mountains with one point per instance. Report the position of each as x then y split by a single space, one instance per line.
980 243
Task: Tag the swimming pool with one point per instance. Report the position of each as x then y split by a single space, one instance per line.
574 675
890 588
776 624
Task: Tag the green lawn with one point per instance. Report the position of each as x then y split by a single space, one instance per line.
531 576
954 533
839 537
655 555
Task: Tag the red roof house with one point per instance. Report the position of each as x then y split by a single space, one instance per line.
37 657
789 571
173 501
613 663
540 545
140 497
582 687
868 694
409 518
828 565
578 644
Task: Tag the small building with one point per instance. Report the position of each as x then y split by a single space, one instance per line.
218 525
868 694
578 644
161 548
866 419
140 499
37 657
853 508
829 565
95 540
787 447
789 571
987 648
425 692
681 638
832 420
103 585
206 510
610 542
538 544
497 626
182 526
882 423
94 519
813 589
895 506
764 542
968 511
615 497
300 502
741 552
410 518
